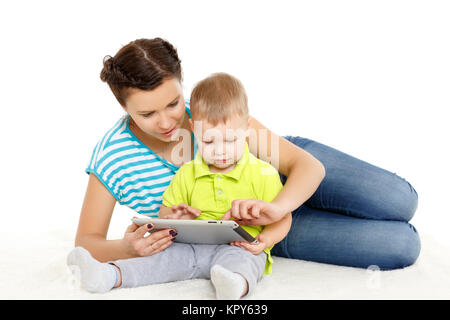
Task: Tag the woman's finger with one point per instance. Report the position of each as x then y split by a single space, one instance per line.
142 230
157 245
243 209
261 221
235 205
132 228
255 211
158 235
163 246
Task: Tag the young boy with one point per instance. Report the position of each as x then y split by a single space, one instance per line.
223 170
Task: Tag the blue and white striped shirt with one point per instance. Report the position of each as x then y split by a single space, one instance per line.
135 175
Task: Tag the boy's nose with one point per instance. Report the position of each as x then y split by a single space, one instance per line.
220 149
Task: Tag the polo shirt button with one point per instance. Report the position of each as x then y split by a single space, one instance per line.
218 178
219 191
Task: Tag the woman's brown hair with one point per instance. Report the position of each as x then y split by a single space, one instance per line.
143 64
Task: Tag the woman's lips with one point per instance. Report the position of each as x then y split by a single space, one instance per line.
170 132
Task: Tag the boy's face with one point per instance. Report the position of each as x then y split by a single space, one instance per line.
222 145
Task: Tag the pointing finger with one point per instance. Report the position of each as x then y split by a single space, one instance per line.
255 211
227 215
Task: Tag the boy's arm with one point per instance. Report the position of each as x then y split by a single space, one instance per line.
180 211
164 211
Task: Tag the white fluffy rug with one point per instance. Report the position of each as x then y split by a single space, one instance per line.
34 268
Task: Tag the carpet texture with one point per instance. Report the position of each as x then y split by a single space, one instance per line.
35 268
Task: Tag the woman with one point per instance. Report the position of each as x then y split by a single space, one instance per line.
357 215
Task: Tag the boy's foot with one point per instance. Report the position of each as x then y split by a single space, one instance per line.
93 275
229 285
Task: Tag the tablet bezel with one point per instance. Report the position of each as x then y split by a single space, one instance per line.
199 231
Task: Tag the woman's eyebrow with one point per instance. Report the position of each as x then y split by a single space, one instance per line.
148 111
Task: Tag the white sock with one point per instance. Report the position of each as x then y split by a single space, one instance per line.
93 275
229 285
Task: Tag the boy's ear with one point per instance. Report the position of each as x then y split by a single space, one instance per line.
247 129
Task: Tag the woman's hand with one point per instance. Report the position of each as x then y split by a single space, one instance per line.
255 248
183 211
254 212
137 245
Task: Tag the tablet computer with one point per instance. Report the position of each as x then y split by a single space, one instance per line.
200 231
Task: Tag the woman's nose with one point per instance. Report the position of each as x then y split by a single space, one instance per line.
164 122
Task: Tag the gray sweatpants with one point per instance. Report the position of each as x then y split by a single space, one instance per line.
183 261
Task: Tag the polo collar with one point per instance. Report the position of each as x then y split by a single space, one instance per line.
201 168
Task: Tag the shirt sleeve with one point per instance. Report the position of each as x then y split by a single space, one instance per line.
269 183
93 168
177 191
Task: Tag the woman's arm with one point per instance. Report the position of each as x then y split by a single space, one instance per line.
304 172
275 232
93 227
271 235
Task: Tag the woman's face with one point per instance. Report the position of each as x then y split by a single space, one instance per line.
158 112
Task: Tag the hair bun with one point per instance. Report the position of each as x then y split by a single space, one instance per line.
112 73
108 68
107 60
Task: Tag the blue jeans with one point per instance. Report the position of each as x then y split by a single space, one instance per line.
357 217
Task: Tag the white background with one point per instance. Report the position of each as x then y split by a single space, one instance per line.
370 78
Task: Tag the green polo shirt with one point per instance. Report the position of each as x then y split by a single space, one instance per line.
212 193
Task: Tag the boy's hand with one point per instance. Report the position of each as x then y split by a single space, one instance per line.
256 248
254 212
183 211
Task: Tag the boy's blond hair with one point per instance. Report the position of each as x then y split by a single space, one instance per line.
218 98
